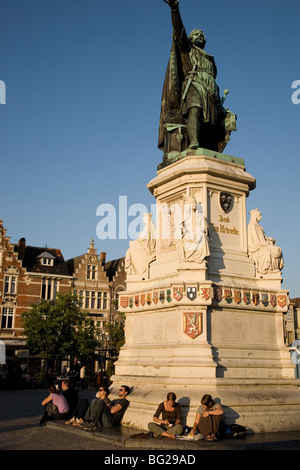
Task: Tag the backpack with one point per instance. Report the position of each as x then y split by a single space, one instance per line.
237 431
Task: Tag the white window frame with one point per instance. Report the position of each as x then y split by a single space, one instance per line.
10 284
7 313
49 288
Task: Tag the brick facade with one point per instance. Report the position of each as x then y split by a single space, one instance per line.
29 274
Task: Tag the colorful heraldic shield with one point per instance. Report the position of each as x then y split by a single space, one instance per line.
237 296
218 294
281 300
265 299
192 324
149 298
228 295
255 298
191 293
247 297
124 301
155 296
137 300
143 299
205 293
177 293
273 300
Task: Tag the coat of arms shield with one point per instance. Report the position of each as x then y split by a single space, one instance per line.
124 301
255 298
237 296
218 294
281 300
228 295
247 297
191 293
265 299
205 293
177 293
226 200
273 300
192 324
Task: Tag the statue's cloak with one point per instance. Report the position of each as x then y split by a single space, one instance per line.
171 94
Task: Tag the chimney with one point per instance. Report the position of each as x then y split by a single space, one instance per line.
21 248
102 257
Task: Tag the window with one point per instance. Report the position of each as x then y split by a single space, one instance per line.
99 300
90 300
102 300
87 299
104 305
91 272
7 317
79 297
46 259
49 289
47 262
10 285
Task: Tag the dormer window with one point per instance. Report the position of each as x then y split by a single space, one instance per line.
46 259
47 262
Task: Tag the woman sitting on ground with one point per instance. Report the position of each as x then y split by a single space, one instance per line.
56 406
208 418
170 422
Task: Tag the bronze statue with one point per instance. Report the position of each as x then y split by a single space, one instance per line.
192 112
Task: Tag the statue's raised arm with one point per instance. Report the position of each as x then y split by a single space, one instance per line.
191 97
177 23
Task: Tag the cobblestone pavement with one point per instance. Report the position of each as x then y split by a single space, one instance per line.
21 410
20 413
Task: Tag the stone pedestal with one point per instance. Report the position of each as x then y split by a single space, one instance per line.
198 317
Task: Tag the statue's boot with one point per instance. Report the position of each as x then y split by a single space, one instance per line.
194 144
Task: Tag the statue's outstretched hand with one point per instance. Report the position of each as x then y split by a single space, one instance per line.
171 3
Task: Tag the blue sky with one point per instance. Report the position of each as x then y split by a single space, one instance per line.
80 124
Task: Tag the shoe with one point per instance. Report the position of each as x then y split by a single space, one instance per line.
194 145
90 426
78 422
71 421
81 424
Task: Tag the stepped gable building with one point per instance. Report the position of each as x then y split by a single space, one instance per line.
97 283
27 275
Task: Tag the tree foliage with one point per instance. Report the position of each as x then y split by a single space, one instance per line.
116 333
59 329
